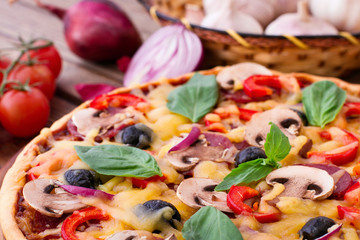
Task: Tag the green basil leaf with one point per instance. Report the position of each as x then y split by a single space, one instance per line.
195 98
210 224
322 102
119 160
277 145
246 173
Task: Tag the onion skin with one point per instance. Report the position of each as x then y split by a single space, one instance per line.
97 30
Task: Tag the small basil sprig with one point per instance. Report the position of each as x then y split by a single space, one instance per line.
322 102
119 160
195 98
210 224
277 147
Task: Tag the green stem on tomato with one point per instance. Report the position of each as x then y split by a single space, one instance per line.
24 48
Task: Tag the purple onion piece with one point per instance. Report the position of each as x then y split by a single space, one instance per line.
215 140
170 52
188 140
86 192
328 235
90 91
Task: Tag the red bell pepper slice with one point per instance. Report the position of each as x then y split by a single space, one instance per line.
341 155
246 114
142 183
235 201
350 214
258 85
237 195
116 100
352 195
353 108
241 97
78 217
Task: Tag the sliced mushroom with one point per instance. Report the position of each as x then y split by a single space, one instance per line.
233 76
132 235
88 119
258 127
186 159
303 182
199 192
38 194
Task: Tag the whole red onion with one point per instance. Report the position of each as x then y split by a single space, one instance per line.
97 30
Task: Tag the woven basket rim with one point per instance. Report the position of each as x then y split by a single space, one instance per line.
165 17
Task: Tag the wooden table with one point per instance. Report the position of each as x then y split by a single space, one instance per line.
24 19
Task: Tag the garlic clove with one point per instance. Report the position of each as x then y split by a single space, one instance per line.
227 17
262 10
194 13
283 6
300 23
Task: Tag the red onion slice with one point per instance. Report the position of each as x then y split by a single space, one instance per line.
90 91
169 52
329 234
188 140
86 192
215 140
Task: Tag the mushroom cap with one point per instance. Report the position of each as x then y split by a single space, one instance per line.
132 234
87 119
184 160
37 194
302 181
199 192
258 127
233 76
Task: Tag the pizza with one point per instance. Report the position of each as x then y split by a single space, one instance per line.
237 152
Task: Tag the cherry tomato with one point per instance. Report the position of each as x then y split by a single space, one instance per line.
24 113
39 76
48 56
4 63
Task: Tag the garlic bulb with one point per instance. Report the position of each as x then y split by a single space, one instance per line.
300 23
343 14
222 15
283 6
262 10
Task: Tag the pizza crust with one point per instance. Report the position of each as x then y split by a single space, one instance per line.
16 176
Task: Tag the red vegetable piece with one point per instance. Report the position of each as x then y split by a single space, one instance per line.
78 217
353 108
142 183
236 196
32 176
267 217
341 155
352 195
241 97
258 85
325 135
246 114
90 91
123 63
116 100
350 214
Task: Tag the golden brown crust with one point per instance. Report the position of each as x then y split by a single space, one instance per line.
15 178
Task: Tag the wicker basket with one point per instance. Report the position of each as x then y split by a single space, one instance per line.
334 55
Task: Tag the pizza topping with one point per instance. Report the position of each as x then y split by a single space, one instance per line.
88 119
316 227
322 102
86 192
199 192
82 178
185 159
352 109
303 182
258 127
71 223
257 86
38 194
249 154
188 140
119 160
120 100
138 135
159 212
210 224
233 77
196 98
132 235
